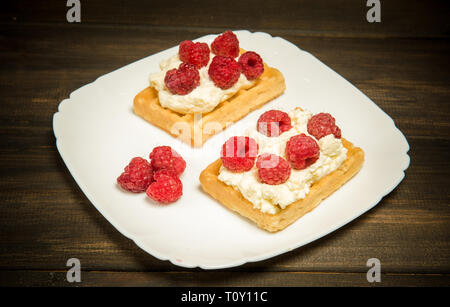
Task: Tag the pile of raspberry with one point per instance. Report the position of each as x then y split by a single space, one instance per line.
224 70
159 178
239 153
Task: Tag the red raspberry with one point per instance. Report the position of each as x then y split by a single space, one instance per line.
166 189
226 44
183 80
164 172
224 71
239 153
273 123
323 124
137 175
302 151
164 157
252 65
196 54
272 169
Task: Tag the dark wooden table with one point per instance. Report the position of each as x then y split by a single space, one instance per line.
402 64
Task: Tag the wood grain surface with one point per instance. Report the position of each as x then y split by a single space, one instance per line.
402 64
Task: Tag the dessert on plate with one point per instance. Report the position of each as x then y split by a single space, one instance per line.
204 88
282 168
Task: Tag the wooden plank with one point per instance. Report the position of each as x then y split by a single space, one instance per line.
399 75
321 17
46 220
217 279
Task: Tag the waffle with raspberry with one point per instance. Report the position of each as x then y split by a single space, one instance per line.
233 199
192 128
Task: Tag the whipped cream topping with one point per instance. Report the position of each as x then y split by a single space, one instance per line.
272 198
204 98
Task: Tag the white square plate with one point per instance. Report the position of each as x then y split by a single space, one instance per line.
97 134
